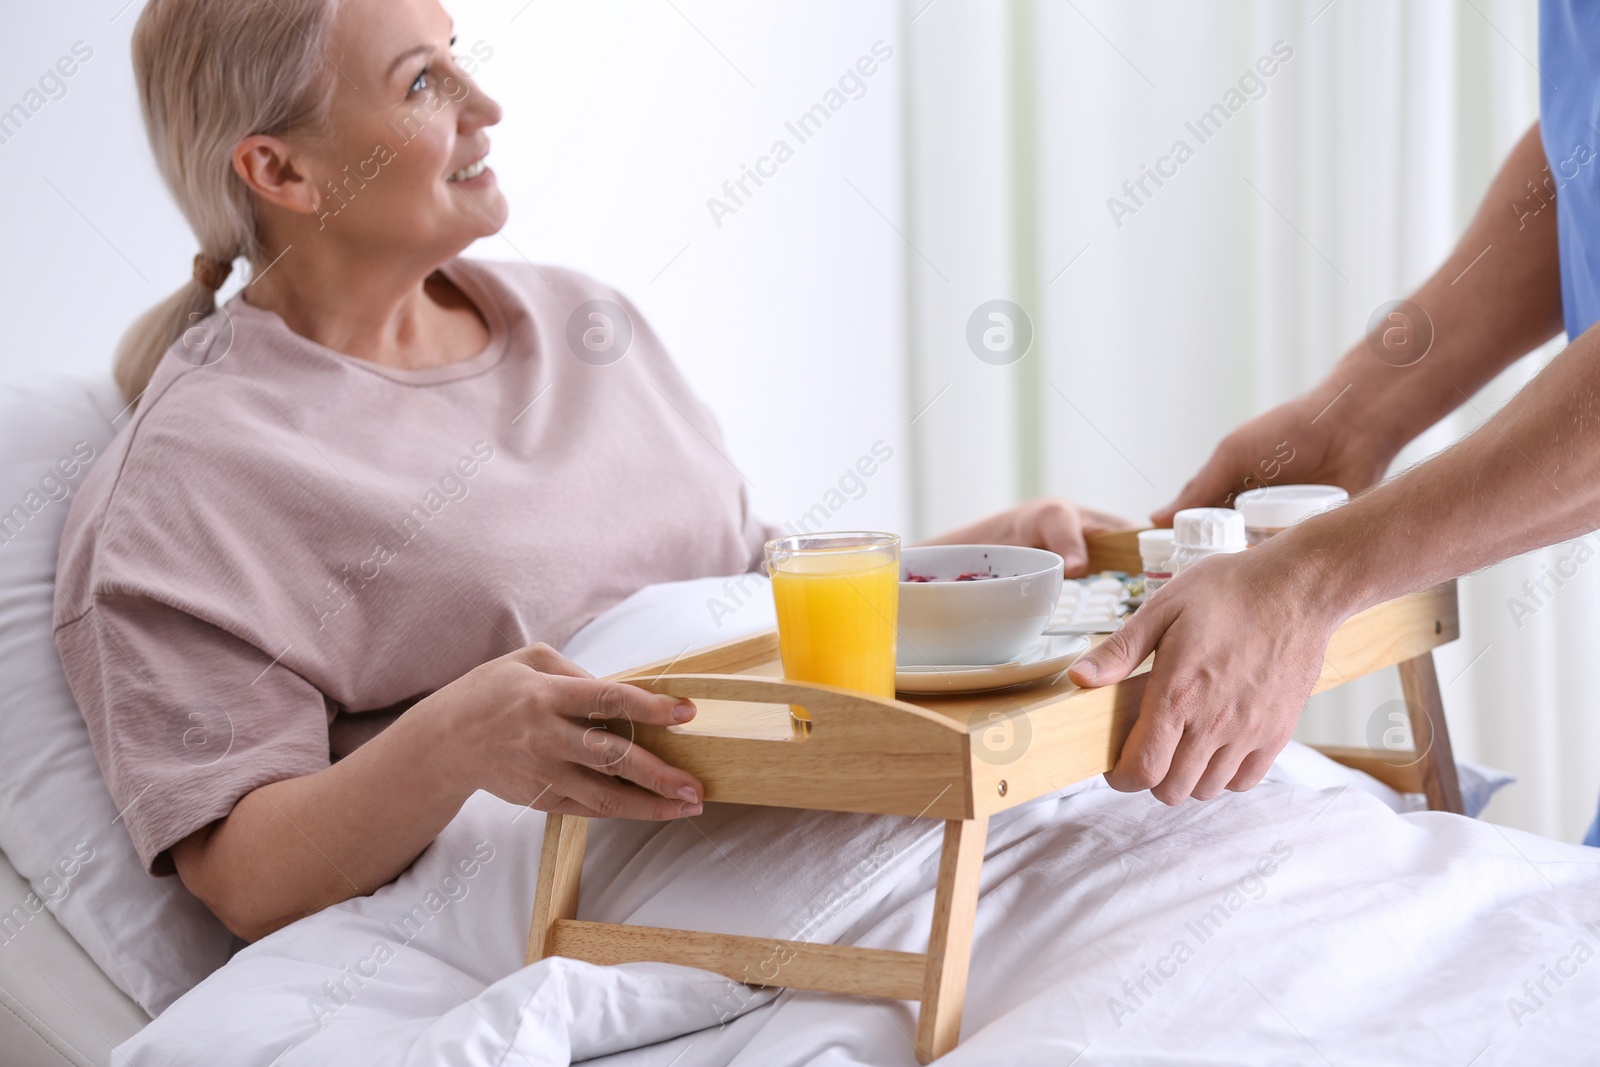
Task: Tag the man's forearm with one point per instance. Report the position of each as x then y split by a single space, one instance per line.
1529 477
1497 297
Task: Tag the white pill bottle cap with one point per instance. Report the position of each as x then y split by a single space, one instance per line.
1278 506
1155 547
1209 528
1201 532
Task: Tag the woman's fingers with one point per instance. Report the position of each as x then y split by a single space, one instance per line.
608 747
565 806
614 798
555 803
1058 527
1096 521
548 735
602 737
599 700
546 660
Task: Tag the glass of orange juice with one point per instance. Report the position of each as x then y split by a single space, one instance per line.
837 596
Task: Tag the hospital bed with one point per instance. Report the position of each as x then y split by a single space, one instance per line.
58 1004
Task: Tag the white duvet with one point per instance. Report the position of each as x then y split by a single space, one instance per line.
1303 922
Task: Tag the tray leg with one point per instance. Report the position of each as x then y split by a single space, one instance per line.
560 865
955 905
1429 735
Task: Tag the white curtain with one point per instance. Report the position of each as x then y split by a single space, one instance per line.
1340 183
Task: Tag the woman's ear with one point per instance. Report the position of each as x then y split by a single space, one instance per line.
266 165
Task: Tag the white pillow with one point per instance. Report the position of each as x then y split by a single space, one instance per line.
661 622
58 825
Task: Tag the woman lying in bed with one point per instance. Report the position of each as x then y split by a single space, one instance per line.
373 491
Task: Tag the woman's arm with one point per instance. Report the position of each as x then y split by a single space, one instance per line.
1496 297
528 727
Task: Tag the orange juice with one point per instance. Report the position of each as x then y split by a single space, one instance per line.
836 608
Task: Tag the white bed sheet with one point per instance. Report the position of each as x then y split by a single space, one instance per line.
1308 921
1339 931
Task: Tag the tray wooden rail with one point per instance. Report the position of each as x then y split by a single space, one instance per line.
932 759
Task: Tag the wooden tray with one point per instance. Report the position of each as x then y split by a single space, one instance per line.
959 758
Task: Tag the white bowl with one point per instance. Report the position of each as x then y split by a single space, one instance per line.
989 620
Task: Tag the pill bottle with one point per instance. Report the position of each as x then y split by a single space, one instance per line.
1155 552
1277 507
1201 532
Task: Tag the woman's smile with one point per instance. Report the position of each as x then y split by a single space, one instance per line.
474 175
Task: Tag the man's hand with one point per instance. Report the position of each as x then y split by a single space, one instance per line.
1480 317
1304 441
1239 645
1239 640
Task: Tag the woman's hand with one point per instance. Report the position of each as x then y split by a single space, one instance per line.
530 727
1306 440
1239 642
534 728
1048 522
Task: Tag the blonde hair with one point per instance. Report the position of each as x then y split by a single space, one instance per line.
209 74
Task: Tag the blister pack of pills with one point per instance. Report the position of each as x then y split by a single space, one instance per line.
1094 605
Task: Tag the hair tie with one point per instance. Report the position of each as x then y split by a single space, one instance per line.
211 273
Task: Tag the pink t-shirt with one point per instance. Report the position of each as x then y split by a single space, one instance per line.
284 537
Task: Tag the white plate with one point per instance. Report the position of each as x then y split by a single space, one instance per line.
1045 657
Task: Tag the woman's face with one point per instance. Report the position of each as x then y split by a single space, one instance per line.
400 171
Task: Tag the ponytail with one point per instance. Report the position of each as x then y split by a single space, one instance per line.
152 333
209 75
